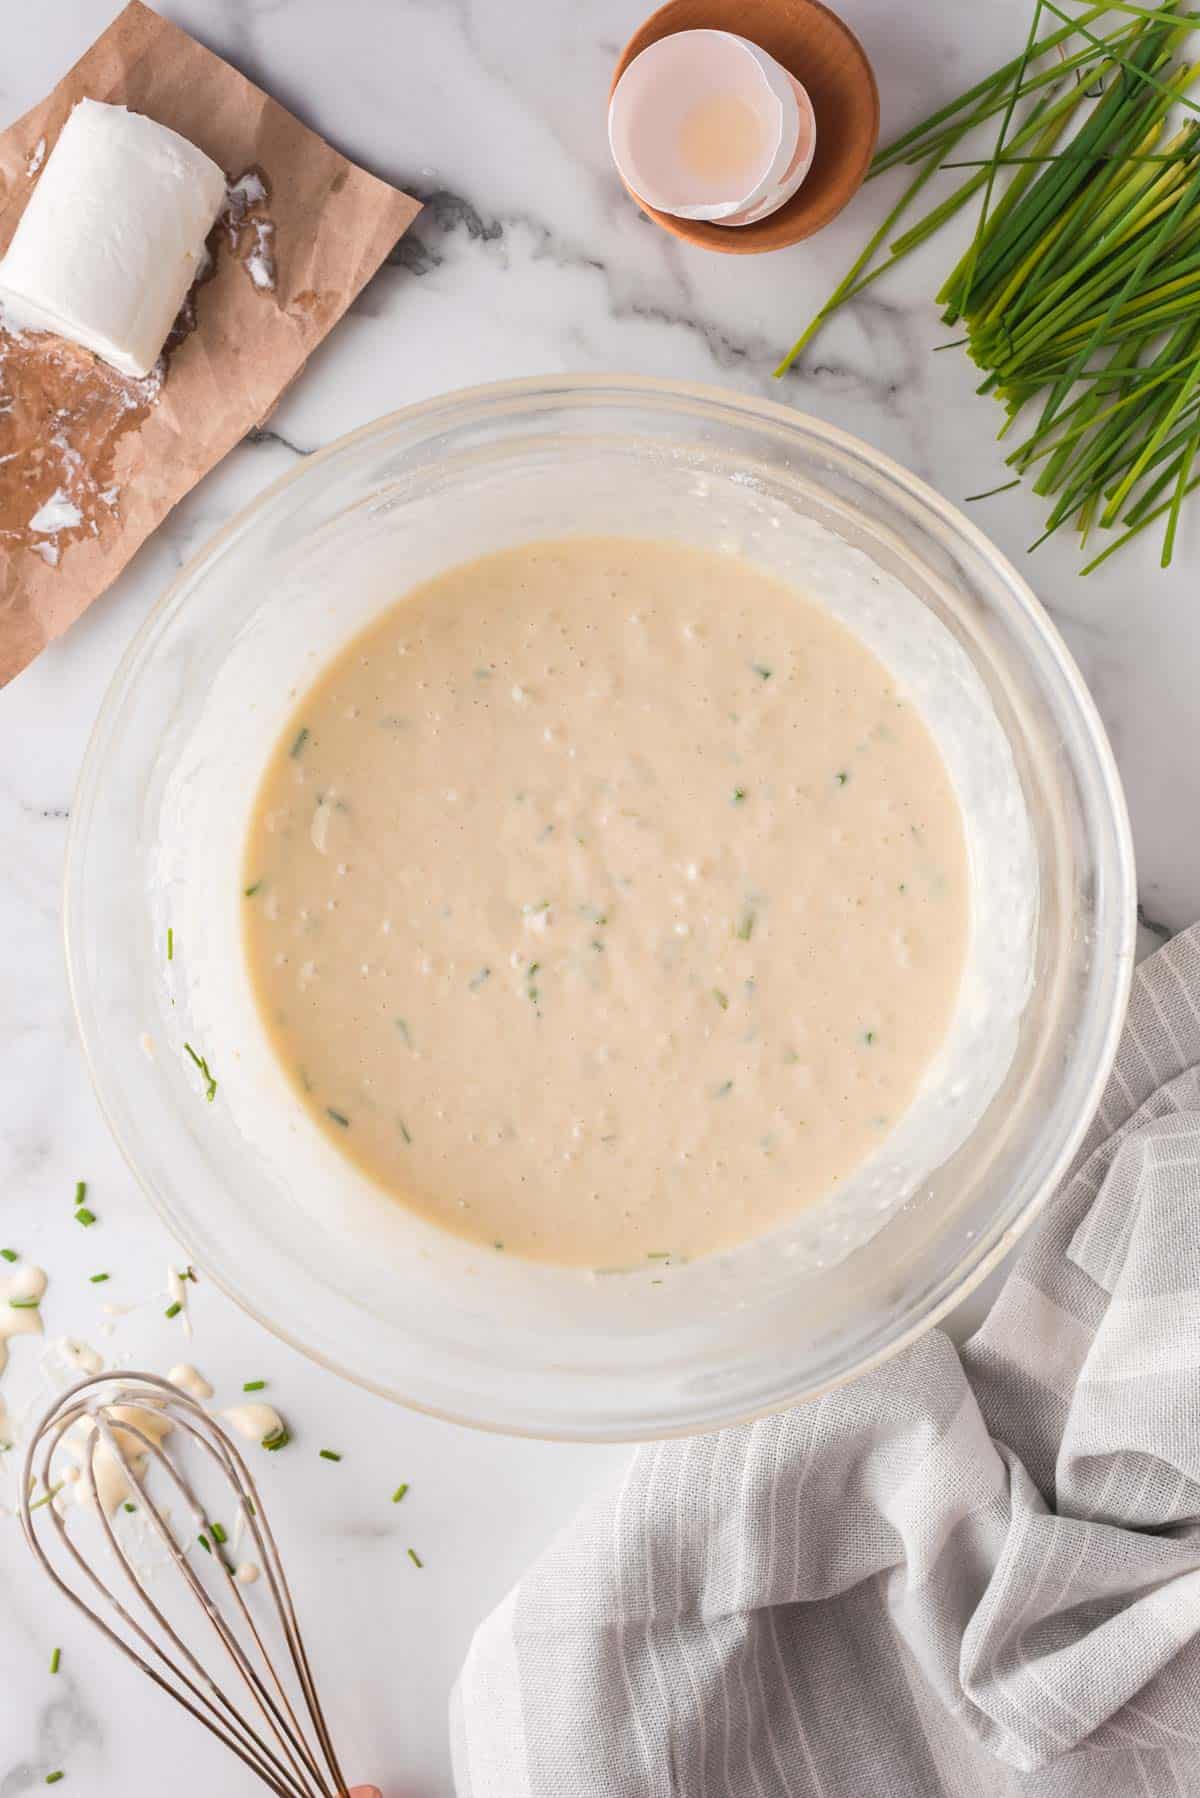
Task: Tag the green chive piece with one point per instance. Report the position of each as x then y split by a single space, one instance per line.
218 1533
85 1217
128 1507
52 1779
398 1494
841 777
745 929
45 1498
55 1660
10 1254
339 1117
498 1245
254 1386
249 892
80 1191
329 1454
297 748
724 1089
658 1255
170 943
869 1036
739 794
173 1309
415 1558
24 1304
205 1544
203 1066
277 1438
762 671
721 998
98 1279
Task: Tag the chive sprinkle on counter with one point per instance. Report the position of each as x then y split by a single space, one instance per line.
202 1064
398 1494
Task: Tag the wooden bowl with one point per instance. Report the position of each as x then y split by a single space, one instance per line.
826 58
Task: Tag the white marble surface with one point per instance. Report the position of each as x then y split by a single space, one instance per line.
529 258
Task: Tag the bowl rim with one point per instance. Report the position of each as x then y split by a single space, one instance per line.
632 389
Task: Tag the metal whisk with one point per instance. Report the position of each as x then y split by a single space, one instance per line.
102 1437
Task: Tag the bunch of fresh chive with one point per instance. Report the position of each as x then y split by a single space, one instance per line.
1080 289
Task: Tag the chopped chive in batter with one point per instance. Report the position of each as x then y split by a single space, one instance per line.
658 1254
790 1058
170 943
329 1454
202 1064
868 1036
249 892
842 776
725 1088
398 1494
415 1558
594 915
498 1245
254 1386
404 1130
598 945
721 998
761 669
483 975
297 748
902 888
85 1217
98 1279
483 674
9 1254
339 1117
405 1032
739 794
173 1309
745 929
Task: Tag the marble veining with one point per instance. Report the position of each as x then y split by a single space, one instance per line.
527 259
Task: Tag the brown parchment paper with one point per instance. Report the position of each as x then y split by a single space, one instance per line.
306 231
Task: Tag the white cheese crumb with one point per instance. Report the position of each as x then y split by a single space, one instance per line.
57 514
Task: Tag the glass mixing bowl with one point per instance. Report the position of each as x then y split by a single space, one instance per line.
248 1184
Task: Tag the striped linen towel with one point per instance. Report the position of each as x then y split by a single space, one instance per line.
969 1575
